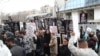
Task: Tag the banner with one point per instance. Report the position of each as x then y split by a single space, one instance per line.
53 29
83 18
30 28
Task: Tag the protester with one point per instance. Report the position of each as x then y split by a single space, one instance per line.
92 40
39 44
47 36
34 43
2 37
1 28
26 43
68 32
9 33
98 36
64 51
53 45
15 49
58 43
35 35
82 32
16 33
82 50
4 51
43 43
17 38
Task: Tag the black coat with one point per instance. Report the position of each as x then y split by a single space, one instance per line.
98 34
64 51
39 42
47 38
39 46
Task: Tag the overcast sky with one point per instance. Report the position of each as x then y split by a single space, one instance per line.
12 6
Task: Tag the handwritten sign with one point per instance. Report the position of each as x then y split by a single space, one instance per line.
30 28
53 29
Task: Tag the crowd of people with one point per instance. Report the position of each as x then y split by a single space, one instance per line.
45 43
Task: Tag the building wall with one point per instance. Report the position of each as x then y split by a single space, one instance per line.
96 13
54 12
75 19
75 14
96 16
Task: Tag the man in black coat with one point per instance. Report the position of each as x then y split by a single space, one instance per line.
40 44
82 32
47 37
63 50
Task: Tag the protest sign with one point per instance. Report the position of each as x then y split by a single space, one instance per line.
53 29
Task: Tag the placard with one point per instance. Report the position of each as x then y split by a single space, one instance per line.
83 18
61 30
53 29
30 28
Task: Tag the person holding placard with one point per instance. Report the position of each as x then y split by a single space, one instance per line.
53 45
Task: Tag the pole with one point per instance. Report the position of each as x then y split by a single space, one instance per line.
65 6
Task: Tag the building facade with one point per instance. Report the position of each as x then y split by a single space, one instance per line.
75 10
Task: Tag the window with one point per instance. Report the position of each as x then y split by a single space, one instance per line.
90 14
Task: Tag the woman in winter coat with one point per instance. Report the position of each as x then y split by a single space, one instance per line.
53 45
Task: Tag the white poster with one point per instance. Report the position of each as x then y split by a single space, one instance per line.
30 28
53 29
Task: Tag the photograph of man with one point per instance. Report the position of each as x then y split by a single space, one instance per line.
83 18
